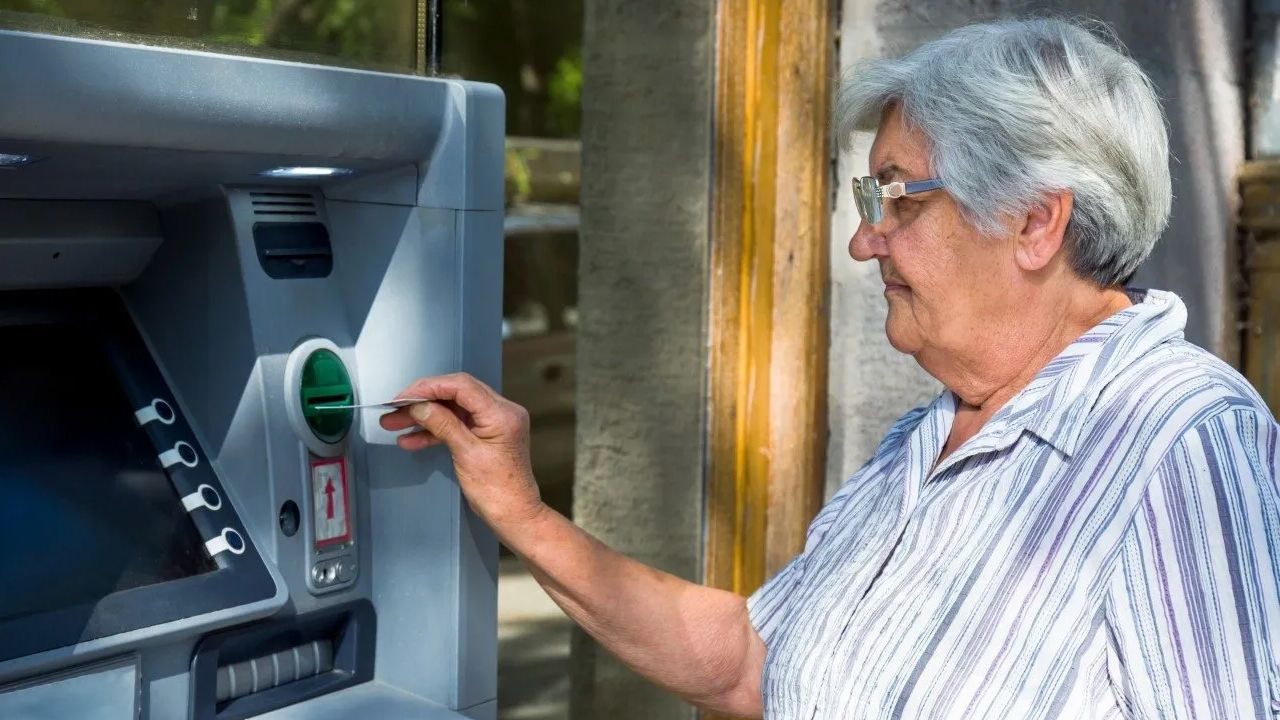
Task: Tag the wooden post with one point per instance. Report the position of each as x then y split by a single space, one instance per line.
1260 222
770 285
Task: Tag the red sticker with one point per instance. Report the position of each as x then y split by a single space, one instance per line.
330 509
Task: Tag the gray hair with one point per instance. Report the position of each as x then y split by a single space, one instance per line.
1016 109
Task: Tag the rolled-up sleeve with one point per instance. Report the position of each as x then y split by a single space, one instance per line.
1194 604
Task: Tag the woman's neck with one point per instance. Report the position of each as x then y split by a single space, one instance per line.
996 371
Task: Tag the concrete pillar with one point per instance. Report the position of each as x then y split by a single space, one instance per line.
646 149
1193 50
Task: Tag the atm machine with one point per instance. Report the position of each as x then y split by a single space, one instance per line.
198 254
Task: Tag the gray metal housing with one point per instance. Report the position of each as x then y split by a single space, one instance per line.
152 155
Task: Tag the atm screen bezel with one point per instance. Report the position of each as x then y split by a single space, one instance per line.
239 579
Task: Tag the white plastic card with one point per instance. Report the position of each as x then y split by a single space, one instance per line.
389 404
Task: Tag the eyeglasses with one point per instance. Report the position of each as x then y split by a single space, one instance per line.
869 194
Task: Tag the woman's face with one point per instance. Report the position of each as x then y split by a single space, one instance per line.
945 284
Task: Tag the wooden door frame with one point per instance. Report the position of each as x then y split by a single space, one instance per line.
770 285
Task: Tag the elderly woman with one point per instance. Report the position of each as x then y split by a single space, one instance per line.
1085 524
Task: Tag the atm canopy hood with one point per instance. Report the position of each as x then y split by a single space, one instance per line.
109 121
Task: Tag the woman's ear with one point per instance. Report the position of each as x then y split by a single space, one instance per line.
1042 232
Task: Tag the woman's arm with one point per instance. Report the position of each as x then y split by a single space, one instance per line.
1194 607
695 641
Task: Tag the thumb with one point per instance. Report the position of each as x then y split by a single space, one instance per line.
441 422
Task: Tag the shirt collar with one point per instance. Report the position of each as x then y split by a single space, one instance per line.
1056 402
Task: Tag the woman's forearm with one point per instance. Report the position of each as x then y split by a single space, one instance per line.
695 641
692 640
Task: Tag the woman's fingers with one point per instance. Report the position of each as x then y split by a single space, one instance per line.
466 417
468 393
459 410
400 419
397 420
417 440
442 423
486 434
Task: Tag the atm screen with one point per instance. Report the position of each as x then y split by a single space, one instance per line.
83 498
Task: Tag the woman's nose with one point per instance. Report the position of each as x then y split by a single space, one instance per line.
867 243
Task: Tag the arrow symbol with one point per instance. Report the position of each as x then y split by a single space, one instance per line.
328 498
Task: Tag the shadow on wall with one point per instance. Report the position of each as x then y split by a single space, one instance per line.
1193 50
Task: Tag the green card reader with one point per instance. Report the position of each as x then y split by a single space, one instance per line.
325 381
317 378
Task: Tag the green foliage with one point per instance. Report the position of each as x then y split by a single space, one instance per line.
519 178
374 32
234 23
44 7
531 48
564 90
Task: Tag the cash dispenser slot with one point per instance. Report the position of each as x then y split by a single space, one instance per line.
265 672
259 668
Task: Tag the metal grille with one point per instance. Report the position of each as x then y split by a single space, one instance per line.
283 204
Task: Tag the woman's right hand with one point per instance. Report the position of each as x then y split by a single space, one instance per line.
488 436
696 641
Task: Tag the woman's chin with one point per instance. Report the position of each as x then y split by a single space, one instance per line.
903 339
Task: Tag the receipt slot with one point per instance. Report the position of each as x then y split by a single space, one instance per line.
197 523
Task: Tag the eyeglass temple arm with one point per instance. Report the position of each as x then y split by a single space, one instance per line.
898 189
923 185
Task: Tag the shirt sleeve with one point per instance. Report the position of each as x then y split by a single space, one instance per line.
1193 605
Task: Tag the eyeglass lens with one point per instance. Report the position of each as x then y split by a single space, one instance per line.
867 199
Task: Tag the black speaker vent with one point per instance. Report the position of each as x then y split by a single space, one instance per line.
283 204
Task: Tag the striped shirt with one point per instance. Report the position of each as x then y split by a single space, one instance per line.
1107 546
